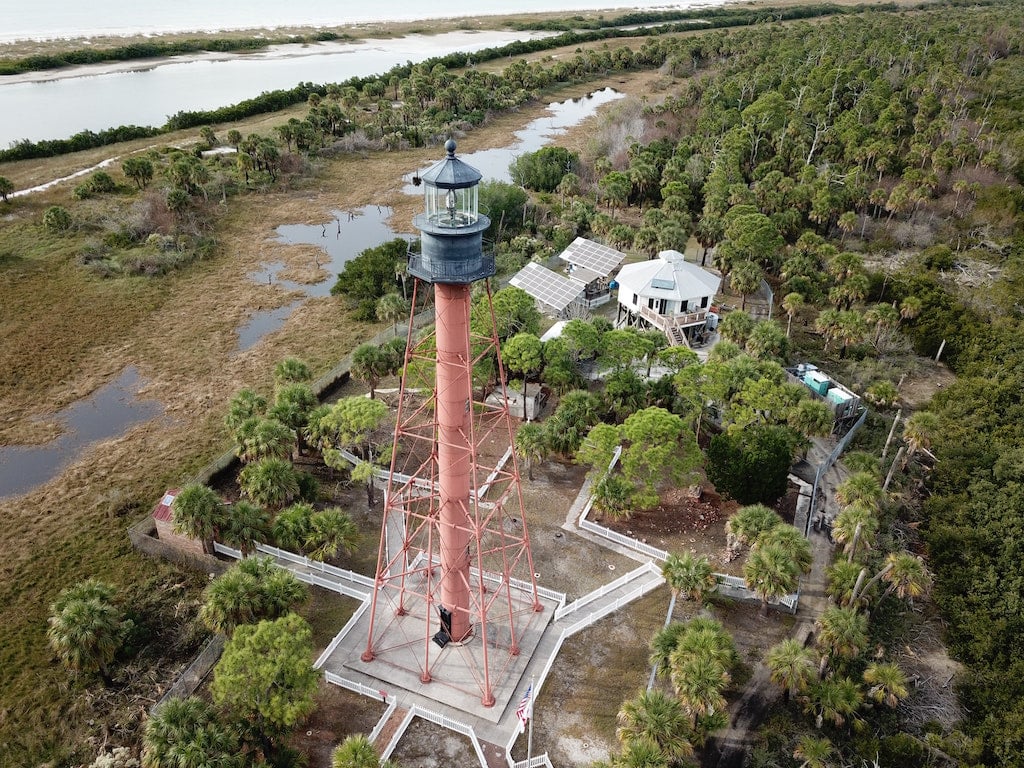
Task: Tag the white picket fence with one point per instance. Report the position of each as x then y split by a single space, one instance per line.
350 685
595 616
375 733
537 761
647 568
384 474
352 621
737 585
340 580
438 719
618 538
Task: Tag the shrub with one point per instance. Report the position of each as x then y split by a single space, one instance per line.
751 466
56 219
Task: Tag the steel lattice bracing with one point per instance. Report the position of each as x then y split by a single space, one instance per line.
454 532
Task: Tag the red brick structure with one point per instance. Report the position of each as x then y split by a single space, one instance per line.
163 515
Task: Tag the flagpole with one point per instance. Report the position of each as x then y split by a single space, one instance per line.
529 737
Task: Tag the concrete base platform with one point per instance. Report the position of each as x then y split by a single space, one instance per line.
404 656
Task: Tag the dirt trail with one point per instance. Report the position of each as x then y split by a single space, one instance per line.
729 748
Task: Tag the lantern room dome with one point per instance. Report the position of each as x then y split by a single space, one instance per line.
451 173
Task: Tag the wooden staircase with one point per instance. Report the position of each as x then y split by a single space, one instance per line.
676 337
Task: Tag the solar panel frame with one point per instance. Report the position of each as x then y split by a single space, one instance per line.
593 256
547 287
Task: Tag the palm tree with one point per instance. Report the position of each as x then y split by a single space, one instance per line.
571 421
747 524
767 342
641 752
402 274
842 633
835 700
910 307
829 325
292 525
689 576
664 642
699 682
771 572
791 666
707 638
814 752
85 628
888 683
811 418
270 483
247 525
791 303
263 439
746 278
656 716
883 316
229 601
736 327
531 445
794 543
906 575
370 364
391 308
331 531
862 461
245 405
199 514
851 328
860 487
252 590
186 733
855 525
919 431
843 577
293 405
291 370
356 751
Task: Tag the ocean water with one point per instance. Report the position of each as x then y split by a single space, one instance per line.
46 19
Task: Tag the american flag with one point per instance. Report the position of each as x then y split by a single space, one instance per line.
525 709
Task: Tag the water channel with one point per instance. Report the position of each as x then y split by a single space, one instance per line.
349 233
108 412
115 407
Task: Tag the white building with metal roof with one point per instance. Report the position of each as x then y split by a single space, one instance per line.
667 293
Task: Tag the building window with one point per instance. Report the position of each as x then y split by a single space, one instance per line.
704 303
650 303
636 300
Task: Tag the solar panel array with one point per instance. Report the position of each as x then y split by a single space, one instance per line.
594 256
546 286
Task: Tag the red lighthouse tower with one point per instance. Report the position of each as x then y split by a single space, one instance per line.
455 586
